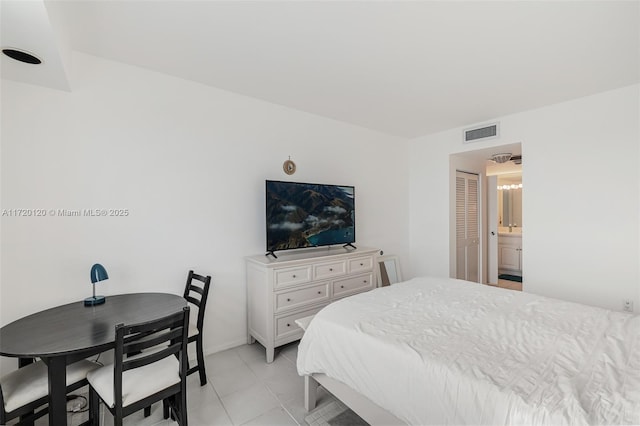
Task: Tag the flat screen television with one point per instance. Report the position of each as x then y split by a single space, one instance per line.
302 215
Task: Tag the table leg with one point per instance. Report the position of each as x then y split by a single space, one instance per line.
23 362
57 367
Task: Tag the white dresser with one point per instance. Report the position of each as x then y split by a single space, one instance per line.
298 284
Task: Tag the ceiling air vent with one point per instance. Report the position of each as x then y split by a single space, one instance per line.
481 133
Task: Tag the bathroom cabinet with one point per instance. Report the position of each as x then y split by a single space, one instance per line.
510 254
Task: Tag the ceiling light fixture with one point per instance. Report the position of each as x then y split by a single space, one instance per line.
508 187
501 158
21 55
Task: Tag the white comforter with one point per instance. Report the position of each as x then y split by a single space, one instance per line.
443 351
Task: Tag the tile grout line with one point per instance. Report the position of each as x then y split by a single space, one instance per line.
224 407
262 380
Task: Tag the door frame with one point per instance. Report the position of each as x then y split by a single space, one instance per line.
492 229
474 161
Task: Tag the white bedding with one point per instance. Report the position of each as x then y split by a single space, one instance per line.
444 351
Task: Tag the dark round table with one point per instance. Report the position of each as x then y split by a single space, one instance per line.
68 333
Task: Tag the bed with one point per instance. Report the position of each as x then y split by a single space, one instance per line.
445 351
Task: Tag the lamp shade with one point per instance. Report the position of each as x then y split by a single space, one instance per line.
98 273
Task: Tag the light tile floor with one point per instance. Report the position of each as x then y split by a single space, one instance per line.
510 285
242 389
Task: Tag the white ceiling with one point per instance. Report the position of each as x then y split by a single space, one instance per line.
404 68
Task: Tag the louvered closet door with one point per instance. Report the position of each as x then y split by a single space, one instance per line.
467 227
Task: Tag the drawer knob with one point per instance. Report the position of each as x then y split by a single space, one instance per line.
365 281
319 292
341 286
330 269
294 275
288 325
362 264
288 300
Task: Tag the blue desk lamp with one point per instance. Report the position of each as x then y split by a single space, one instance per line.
98 273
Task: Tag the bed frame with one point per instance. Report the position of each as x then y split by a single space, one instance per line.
371 412
361 405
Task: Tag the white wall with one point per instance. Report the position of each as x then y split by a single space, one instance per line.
189 163
580 198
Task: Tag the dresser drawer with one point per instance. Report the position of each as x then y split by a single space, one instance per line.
300 298
328 270
286 325
292 276
352 285
361 264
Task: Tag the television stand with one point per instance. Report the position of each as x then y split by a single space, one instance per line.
299 284
350 245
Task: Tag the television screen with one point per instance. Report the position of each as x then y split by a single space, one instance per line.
308 215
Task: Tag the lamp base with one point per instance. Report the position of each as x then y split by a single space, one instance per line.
94 300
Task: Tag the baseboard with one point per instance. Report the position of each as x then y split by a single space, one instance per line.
230 345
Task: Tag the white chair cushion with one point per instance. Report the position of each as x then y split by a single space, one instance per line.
30 383
137 383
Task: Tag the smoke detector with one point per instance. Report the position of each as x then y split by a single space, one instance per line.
501 158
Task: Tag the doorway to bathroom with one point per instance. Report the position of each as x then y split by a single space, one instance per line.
505 221
496 211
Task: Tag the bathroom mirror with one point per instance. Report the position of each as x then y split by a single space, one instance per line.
388 270
510 200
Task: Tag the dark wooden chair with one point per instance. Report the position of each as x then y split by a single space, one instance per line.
157 373
196 293
24 392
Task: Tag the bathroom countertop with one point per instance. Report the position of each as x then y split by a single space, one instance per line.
510 234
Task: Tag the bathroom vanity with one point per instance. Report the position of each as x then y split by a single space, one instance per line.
510 253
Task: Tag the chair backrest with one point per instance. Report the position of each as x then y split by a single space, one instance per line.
167 335
196 292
